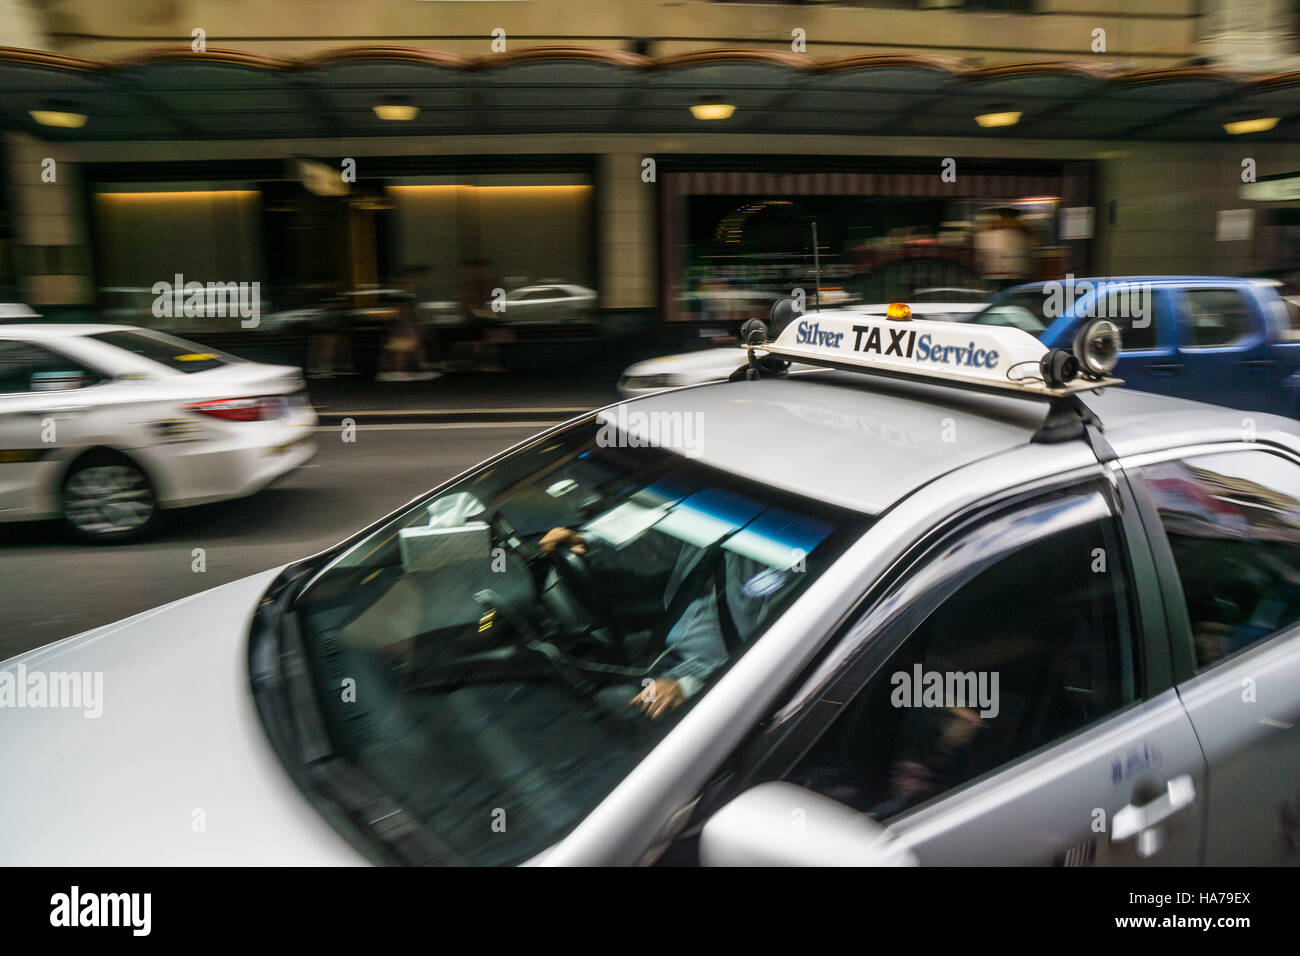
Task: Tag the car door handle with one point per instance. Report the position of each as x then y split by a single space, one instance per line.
1143 821
1255 363
1167 368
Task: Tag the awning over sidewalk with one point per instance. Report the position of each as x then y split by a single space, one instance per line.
175 94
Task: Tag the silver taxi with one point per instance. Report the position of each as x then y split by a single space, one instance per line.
938 602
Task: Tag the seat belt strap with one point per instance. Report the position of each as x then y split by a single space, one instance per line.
730 636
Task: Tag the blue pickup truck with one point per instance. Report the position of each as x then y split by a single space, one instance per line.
1233 342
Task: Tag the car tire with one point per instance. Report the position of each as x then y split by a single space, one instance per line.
106 498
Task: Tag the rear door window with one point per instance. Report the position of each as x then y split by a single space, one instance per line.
176 354
1233 524
27 367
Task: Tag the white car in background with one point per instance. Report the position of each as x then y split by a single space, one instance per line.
711 365
548 302
17 312
105 426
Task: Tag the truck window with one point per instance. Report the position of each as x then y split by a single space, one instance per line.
1214 317
1291 327
1134 310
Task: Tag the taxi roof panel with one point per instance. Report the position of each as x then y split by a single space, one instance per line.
864 442
843 439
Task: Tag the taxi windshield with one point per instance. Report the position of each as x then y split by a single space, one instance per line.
498 657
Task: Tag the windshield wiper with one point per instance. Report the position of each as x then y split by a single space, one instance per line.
286 699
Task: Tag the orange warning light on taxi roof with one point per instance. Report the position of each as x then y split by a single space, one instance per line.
897 310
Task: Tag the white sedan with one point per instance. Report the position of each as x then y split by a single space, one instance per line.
712 365
547 303
106 425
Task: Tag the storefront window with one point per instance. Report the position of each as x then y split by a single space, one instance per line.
513 250
150 238
735 253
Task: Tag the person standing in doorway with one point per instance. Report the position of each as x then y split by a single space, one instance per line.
403 358
1004 250
487 329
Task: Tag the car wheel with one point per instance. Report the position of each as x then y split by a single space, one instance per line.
108 499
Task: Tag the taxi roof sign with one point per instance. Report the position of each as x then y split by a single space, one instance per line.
982 357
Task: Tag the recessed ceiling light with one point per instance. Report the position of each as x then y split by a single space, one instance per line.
712 111
60 118
396 111
991 120
1261 124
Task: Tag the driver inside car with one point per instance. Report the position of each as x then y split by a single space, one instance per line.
705 626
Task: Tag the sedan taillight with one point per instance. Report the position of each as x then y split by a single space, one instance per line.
260 409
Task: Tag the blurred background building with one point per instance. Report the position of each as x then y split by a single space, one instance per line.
642 172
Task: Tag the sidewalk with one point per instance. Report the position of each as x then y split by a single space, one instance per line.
464 397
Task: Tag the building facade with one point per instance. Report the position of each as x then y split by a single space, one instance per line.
469 151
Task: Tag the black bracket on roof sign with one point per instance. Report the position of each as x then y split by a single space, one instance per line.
1067 419
768 365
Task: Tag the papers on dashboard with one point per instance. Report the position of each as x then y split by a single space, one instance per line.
431 549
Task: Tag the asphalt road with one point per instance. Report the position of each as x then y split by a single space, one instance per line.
51 587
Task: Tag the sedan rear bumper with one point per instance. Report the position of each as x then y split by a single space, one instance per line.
251 456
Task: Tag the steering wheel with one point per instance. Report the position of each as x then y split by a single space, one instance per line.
580 586
576 575
579 582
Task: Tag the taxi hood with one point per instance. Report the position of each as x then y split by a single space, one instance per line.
139 744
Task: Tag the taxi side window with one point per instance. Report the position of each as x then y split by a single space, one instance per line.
1035 647
1214 317
25 367
1233 524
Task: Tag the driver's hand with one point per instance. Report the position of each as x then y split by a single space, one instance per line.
559 537
659 697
